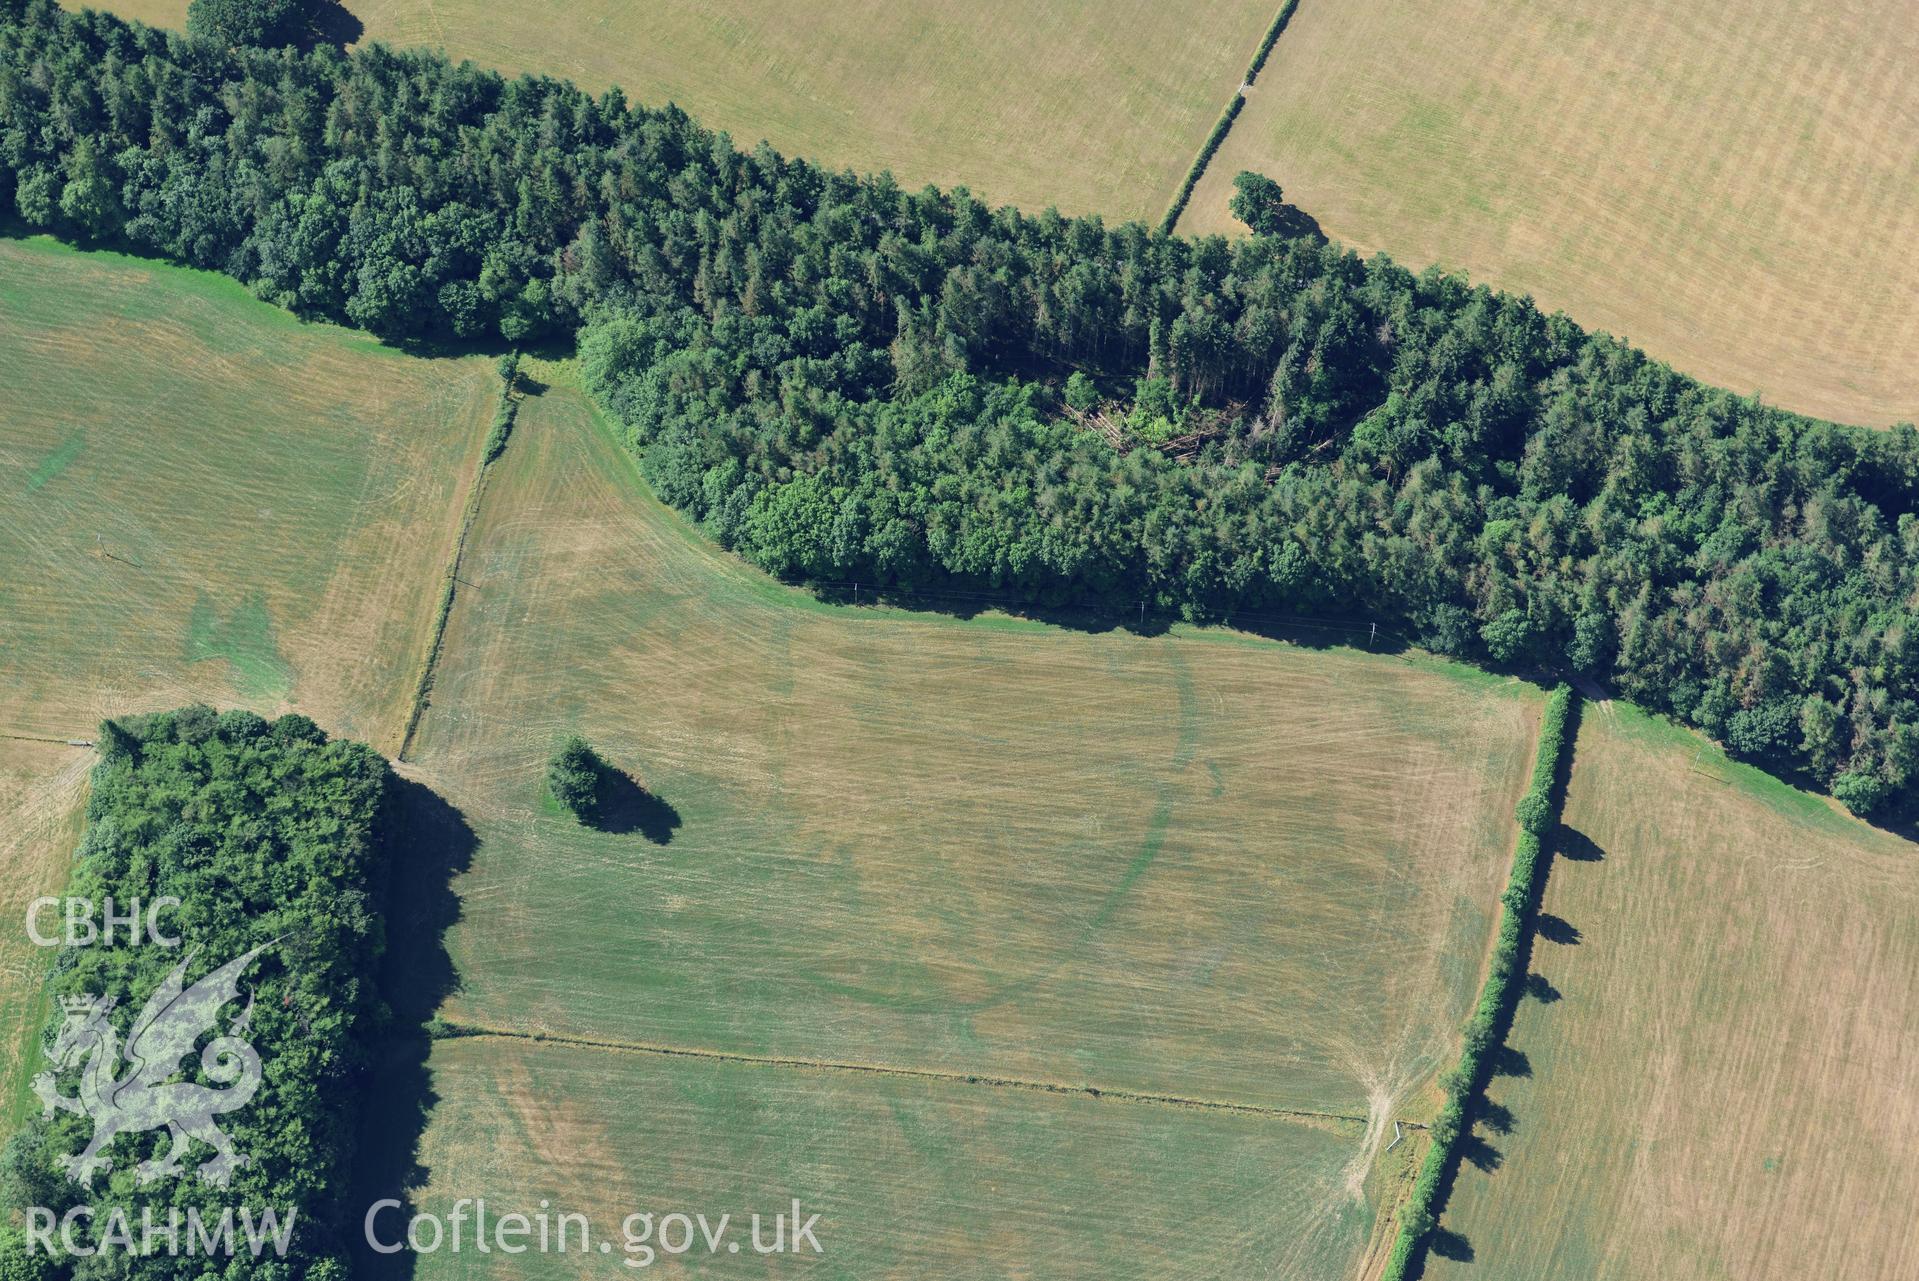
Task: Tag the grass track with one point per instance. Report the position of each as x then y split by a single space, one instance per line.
1735 189
1725 1086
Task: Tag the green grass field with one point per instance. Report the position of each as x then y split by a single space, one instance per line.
1202 865
911 842
1248 878
1092 107
1725 1081
911 1179
1732 189
200 498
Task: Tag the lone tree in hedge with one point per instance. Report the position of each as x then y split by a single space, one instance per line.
573 776
1535 812
265 23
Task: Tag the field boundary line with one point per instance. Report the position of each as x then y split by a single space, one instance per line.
504 414
466 1031
1224 125
1538 814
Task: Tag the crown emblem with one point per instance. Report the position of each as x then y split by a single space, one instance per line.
78 1007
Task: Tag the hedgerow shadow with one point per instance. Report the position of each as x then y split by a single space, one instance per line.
1571 843
1497 1116
1448 1244
1510 1061
1484 1156
1557 929
1475 1149
427 843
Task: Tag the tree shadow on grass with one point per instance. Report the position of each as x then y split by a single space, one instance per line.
1557 929
624 806
1541 989
1484 1156
1571 843
1497 1116
1294 222
1099 618
1448 1244
1512 1062
426 843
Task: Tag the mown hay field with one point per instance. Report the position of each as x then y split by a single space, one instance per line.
1092 107
911 1179
1735 189
200 498
1723 1081
1201 865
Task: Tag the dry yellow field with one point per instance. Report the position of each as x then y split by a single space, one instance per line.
1733 187
200 499
1726 1086
41 785
992 847
1094 107
913 852
912 1180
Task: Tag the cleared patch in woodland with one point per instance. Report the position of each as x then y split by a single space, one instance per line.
200 498
1724 1075
1200 865
1093 107
1732 189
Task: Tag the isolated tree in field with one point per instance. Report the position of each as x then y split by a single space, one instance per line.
1259 203
266 23
573 776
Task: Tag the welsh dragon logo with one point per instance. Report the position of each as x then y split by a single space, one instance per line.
144 1098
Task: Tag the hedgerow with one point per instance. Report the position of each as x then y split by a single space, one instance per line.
1537 812
1221 127
1270 39
845 381
506 411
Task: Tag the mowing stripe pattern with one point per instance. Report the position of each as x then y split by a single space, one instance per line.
1224 124
1538 813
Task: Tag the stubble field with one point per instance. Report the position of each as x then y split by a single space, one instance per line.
1092 107
970 920
1724 1079
966 864
200 499
1733 188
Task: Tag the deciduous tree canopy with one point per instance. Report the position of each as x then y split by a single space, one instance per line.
265 834
842 379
